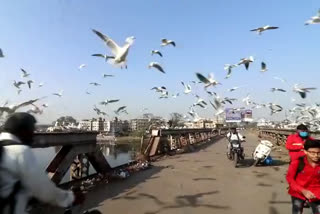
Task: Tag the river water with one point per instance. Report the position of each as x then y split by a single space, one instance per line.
116 155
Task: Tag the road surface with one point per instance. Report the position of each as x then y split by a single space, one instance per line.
200 182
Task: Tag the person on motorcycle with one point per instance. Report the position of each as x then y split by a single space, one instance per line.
295 142
303 178
233 135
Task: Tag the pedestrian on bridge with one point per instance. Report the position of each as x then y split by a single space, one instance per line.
20 175
295 142
303 178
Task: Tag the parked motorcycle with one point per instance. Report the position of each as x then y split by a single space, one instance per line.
262 152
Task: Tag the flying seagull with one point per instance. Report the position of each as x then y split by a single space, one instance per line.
314 19
40 84
106 102
18 84
229 68
187 88
233 89
87 92
275 108
45 105
13 108
261 29
98 111
278 78
120 109
156 52
24 73
246 61
165 42
29 83
82 66
263 67
210 81
211 93
58 94
19 91
35 110
107 75
157 66
120 53
94 84
1 53
302 91
175 95
105 56
278 89
159 89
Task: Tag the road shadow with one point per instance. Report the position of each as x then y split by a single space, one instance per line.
204 179
273 210
245 163
277 162
114 189
264 185
208 167
192 201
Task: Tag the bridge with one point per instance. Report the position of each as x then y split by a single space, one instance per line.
200 179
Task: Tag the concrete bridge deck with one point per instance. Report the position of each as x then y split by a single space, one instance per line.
200 182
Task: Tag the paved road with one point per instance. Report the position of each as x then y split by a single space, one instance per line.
200 182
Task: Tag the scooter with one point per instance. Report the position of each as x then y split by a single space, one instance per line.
262 152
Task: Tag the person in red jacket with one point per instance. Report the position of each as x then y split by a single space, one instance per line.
295 142
303 178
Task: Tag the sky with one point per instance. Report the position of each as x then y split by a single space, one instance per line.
50 39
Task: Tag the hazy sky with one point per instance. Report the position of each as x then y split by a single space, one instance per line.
50 39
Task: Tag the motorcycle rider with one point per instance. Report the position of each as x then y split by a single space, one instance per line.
233 135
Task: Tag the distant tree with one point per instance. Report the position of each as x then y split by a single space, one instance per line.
66 120
176 119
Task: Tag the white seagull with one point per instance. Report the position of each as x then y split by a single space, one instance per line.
156 52
94 84
58 94
302 91
29 83
278 89
229 68
157 66
314 19
263 67
210 81
261 29
161 89
24 73
18 84
107 75
106 102
13 108
278 78
40 84
246 61
233 89
81 67
165 42
187 88
175 95
120 53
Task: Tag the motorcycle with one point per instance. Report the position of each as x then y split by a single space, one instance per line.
262 152
236 152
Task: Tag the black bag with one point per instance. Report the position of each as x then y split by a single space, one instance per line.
11 199
300 166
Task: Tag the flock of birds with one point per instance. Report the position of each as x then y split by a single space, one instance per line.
118 58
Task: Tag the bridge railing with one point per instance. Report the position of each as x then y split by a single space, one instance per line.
279 136
77 151
165 140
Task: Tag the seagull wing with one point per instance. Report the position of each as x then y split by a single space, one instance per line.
30 102
109 42
202 78
23 71
263 66
303 94
246 64
272 28
157 66
173 43
159 53
99 55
